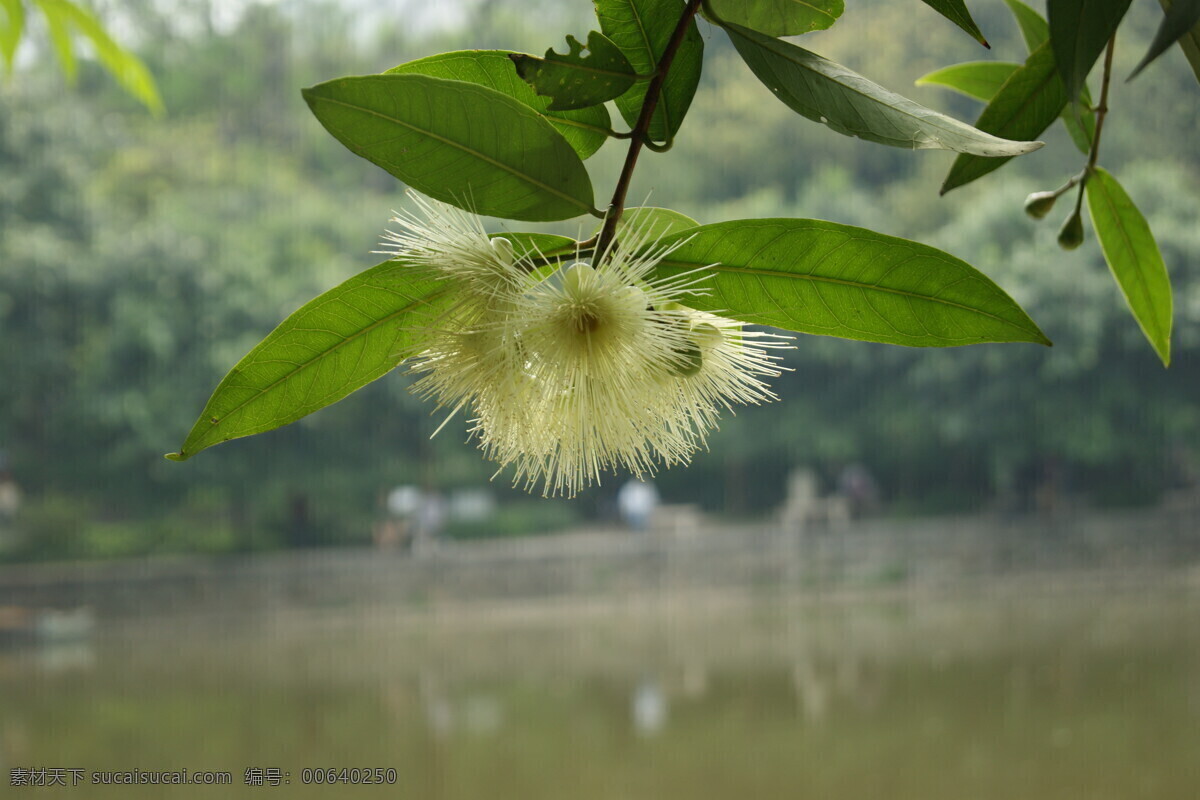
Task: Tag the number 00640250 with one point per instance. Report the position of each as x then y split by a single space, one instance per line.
345 775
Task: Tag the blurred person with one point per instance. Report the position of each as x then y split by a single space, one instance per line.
857 486
636 502
395 530
430 517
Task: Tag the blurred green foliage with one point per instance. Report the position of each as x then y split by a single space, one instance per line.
140 257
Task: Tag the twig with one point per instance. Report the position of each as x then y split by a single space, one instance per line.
1102 108
641 131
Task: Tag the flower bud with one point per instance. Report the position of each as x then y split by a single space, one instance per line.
1070 235
632 299
687 361
503 249
1039 204
707 336
576 277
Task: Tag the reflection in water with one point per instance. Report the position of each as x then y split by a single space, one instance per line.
649 707
1096 698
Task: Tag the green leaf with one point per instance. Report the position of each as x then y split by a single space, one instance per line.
59 26
332 346
1034 28
126 68
1133 256
585 129
574 80
1181 17
956 11
982 79
458 142
835 280
1028 102
1189 43
642 29
654 223
852 105
335 344
978 79
1081 127
11 29
1079 31
1079 119
778 17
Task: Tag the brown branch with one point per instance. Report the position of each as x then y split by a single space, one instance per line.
1101 113
641 131
1102 108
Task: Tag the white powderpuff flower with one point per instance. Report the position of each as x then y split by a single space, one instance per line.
464 355
451 244
597 346
596 367
728 364
472 360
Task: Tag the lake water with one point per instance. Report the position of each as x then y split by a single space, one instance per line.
1023 694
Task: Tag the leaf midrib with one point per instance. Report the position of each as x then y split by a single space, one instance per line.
770 273
587 208
933 121
1139 276
663 105
1037 94
583 67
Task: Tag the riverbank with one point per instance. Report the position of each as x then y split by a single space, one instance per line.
599 567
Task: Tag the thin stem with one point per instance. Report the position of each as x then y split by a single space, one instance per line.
1101 112
641 130
655 147
1101 108
1073 181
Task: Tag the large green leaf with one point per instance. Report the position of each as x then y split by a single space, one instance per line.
335 344
642 29
585 129
1182 17
1133 256
1189 43
576 79
850 104
1079 31
835 280
11 29
956 11
779 17
459 142
1079 118
978 79
1028 102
